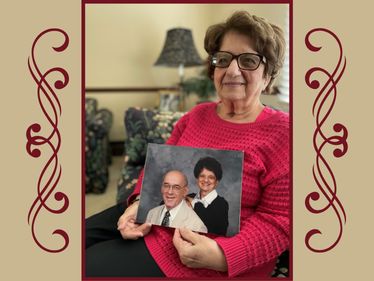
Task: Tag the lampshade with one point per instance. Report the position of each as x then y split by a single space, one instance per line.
179 49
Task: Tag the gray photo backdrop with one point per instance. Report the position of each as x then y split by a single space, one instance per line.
162 158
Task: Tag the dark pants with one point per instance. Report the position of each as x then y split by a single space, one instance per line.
109 255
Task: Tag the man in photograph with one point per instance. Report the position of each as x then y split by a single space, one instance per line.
175 212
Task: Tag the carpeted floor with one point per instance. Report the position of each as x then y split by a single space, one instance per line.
98 202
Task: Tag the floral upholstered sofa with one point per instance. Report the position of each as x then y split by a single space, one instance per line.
97 149
145 126
142 126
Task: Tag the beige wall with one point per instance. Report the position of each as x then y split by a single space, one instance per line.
124 41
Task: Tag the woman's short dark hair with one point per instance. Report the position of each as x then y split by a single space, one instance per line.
268 40
210 164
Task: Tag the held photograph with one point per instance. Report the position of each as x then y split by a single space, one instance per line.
199 189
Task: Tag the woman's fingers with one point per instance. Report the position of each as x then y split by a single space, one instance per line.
136 231
190 236
145 228
131 234
177 240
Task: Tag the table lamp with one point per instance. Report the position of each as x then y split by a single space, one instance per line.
179 51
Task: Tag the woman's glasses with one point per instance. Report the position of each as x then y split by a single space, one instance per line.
209 177
246 61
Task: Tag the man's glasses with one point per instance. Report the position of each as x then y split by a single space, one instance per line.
177 187
246 61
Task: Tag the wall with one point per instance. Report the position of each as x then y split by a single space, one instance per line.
124 40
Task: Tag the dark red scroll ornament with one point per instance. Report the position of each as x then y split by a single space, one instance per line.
323 138
46 139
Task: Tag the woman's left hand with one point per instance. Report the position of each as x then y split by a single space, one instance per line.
198 251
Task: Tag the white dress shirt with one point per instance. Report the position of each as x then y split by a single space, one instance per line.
207 200
173 212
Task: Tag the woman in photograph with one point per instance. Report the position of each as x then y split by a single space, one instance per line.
212 209
246 53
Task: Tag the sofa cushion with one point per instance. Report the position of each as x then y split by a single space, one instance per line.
145 126
97 149
90 108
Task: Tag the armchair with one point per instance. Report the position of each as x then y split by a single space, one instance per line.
97 148
142 126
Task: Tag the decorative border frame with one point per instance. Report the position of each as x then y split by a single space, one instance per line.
36 140
322 107
39 142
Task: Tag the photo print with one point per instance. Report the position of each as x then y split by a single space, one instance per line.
196 188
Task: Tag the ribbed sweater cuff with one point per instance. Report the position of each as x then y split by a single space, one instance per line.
236 256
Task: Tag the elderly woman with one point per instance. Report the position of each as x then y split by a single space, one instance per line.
245 55
212 209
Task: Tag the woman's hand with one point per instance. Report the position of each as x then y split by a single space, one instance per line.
188 200
198 251
127 226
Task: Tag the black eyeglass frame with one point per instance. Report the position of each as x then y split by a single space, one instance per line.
262 60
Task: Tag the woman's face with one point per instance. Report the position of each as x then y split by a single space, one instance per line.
207 181
232 83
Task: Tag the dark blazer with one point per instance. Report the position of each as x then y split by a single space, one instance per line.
215 216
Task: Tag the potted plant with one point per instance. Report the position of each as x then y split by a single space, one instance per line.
201 85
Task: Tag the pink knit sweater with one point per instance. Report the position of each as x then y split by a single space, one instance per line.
264 223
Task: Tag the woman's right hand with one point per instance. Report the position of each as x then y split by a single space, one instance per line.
127 226
188 200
